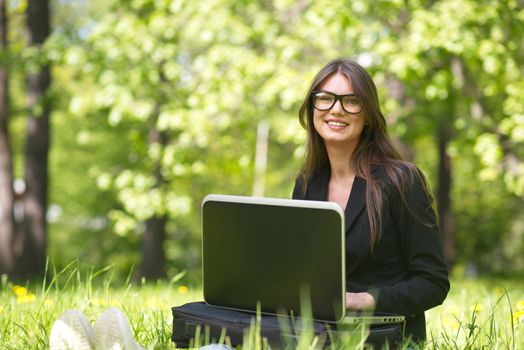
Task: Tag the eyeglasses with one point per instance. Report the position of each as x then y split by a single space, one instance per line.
323 100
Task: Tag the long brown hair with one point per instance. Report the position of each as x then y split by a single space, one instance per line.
374 147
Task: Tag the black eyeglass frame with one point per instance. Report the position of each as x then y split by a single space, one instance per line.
337 98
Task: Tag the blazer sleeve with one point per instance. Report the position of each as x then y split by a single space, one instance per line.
427 283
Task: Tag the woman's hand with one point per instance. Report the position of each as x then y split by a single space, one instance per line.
360 301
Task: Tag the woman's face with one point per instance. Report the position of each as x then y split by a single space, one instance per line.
336 126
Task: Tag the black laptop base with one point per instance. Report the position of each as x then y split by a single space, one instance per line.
230 326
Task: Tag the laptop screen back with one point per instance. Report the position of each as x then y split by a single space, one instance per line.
272 250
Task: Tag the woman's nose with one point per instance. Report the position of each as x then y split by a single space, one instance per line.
337 108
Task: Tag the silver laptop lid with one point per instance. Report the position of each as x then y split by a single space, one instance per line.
268 250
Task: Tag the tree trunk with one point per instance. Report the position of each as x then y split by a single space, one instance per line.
7 227
261 158
153 255
444 193
32 260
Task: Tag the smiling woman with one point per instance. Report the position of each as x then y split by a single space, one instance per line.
338 116
393 250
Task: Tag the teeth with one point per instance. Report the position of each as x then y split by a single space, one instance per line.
333 123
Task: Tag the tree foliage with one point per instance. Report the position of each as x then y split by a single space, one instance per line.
203 75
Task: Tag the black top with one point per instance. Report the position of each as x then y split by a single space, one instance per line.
407 273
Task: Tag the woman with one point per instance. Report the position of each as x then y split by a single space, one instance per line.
393 250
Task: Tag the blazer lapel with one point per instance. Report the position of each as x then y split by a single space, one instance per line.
318 188
356 201
318 191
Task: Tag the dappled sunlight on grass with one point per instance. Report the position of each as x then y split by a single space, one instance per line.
28 312
477 313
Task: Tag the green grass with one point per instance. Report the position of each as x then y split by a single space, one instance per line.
478 314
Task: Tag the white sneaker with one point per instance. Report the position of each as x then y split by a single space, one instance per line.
216 347
113 332
72 331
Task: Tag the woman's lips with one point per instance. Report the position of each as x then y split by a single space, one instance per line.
336 123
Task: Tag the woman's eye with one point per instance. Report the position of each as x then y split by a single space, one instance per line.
325 98
351 101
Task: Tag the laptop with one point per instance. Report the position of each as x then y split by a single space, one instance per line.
279 255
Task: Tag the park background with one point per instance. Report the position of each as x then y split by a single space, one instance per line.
118 117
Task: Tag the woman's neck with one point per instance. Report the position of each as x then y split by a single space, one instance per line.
340 160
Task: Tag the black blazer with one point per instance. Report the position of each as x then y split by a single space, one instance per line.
407 273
